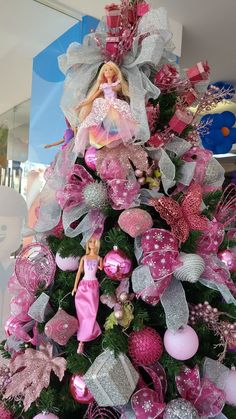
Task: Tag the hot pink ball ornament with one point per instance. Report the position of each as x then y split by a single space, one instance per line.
4 413
229 258
183 344
145 346
117 265
46 416
230 387
91 157
79 390
69 263
35 265
135 221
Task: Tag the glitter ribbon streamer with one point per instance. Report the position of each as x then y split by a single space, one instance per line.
207 398
175 306
81 62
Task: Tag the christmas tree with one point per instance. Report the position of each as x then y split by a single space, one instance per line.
124 306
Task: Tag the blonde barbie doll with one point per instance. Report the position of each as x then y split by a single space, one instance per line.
105 119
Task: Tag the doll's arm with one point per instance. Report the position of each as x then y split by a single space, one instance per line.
88 101
100 266
54 144
116 86
78 275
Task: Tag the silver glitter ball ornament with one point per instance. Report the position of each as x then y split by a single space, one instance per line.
95 195
180 409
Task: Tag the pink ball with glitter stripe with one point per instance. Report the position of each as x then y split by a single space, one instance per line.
135 221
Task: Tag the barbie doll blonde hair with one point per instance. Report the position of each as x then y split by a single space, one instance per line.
95 89
97 246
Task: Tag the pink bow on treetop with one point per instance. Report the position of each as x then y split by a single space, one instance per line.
185 216
208 399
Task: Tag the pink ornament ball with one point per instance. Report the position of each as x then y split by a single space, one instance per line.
229 258
145 346
79 390
230 387
4 413
183 344
91 157
45 416
69 263
117 265
135 221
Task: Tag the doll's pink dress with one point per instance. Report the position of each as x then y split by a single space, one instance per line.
87 301
109 123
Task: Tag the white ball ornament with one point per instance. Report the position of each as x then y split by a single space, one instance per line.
69 263
45 415
230 387
183 344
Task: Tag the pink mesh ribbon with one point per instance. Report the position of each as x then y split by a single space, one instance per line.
201 157
211 239
216 271
185 216
123 193
208 399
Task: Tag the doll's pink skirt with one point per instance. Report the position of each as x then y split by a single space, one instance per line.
86 303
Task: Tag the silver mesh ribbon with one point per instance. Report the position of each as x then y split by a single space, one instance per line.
175 306
186 173
167 167
215 372
178 146
142 278
40 308
81 63
223 289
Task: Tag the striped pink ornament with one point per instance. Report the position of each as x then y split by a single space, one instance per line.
135 221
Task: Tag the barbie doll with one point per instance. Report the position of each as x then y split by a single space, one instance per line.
105 119
87 294
67 137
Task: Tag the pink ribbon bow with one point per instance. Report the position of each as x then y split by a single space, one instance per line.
160 253
147 402
185 216
208 399
201 157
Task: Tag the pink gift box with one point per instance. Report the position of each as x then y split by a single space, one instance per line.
113 16
180 120
198 72
189 97
142 8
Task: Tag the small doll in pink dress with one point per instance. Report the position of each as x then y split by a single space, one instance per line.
87 294
105 119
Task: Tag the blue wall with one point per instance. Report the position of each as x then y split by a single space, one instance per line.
47 122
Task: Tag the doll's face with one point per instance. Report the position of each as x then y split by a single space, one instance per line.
92 244
109 72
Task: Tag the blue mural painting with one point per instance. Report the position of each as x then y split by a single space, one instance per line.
47 123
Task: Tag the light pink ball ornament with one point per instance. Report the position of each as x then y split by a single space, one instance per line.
91 157
135 221
145 346
229 258
46 416
69 263
230 387
79 390
116 264
183 344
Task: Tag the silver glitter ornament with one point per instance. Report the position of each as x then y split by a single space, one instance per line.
180 409
95 195
111 379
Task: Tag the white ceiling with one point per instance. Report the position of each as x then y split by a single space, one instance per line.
27 27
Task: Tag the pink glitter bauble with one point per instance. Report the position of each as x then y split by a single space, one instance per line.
183 344
229 258
4 413
79 390
46 416
69 263
117 265
135 221
91 157
61 327
230 387
145 346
